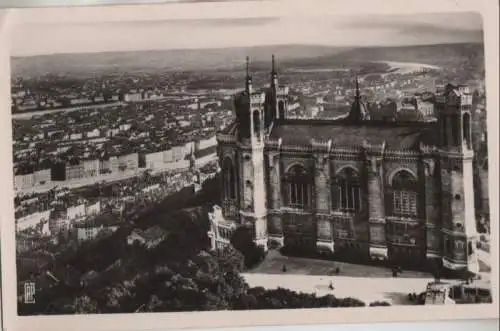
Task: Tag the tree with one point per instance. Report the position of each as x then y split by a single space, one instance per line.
234 286
285 299
242 240
153 304
230 259
115 298
246 302
82 305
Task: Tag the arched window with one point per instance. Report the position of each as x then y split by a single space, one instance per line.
229 179
466 129
346 191
404 195
297 187
256 122
270 109
455 129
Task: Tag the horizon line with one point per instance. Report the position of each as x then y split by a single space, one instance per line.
254 46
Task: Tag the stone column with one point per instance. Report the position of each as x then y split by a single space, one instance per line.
275 222
376 208
432 212
324 236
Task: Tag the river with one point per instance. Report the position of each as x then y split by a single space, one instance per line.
407 67
395 67
31 114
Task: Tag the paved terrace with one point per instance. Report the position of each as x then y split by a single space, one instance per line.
366 283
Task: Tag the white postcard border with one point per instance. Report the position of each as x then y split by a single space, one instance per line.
142 321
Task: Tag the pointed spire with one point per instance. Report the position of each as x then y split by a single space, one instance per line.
248 66
357 88
273 70
248 79
358 109
274 74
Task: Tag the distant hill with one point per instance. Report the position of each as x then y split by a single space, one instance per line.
428 54
231 58
441 54
184 60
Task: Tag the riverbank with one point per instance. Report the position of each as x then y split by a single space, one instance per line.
31 114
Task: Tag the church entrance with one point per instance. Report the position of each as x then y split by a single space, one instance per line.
299 234
299 244
406 256
350 250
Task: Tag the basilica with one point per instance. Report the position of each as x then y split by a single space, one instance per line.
391 191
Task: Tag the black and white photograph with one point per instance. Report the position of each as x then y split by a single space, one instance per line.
259 162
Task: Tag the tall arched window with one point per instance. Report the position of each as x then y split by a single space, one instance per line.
466 135
256 122
297 187
404 195
270 109
229 179
455 129
346 191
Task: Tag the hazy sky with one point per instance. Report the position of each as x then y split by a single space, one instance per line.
43 34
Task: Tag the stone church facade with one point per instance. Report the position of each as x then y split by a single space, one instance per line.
392 191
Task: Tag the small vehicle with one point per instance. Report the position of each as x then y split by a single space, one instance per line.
438 293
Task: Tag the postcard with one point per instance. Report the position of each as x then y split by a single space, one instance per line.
247 163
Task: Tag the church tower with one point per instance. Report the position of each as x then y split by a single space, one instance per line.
277 98
454 108
359 110
248 77
274 74
271 99
253 210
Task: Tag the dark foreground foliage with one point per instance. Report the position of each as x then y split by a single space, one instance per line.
202 282
242 240
380 304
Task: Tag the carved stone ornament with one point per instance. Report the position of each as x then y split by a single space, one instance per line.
320 163
374 165
229 152
273 159
429 166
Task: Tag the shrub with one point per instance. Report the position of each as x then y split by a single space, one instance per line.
380 304
230 259
281 298
242 240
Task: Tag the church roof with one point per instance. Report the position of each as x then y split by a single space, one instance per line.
359 111
397 136
230 129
